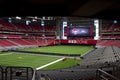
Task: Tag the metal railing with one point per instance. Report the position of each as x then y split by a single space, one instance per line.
103 75
16 73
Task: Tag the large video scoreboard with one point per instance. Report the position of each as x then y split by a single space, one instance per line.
78 31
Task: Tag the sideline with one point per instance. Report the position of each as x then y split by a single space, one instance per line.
87 52
50 63
6 54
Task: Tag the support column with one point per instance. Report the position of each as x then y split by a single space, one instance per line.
64 24
96 24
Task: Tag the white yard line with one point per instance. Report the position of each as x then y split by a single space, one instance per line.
5 54
50 63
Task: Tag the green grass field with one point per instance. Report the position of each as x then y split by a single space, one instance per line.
36 61
33 61
62 49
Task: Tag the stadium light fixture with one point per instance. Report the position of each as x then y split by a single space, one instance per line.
10 20
36 17
18 17
43 17
34 20
42 23
115 21
27 22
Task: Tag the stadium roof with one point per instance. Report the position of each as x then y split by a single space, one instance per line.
107 9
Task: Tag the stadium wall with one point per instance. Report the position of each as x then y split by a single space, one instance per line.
89 42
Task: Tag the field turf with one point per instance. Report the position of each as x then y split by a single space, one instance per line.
62 49
34 61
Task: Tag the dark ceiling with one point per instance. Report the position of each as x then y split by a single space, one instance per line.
106 9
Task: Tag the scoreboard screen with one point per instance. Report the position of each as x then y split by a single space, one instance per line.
79 31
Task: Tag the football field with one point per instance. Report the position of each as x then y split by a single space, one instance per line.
62 49
44 62
35 61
